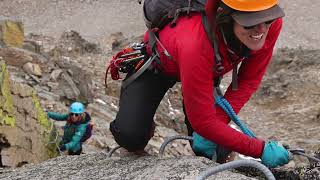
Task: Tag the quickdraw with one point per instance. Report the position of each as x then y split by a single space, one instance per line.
128 60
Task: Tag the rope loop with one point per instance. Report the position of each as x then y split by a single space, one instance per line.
225 105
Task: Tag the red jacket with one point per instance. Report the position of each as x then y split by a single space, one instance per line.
192 64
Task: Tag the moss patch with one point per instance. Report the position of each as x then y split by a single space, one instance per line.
54 143
6 101
41 115
13 34
48 126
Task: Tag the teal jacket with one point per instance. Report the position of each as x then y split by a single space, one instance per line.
73 132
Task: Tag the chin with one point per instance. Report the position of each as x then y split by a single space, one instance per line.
255 47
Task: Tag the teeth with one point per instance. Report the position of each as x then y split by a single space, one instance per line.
257 37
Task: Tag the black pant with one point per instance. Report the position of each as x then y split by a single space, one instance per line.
138 104
75 153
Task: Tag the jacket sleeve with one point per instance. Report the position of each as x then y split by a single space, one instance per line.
58 116
252 70
76 138
195 60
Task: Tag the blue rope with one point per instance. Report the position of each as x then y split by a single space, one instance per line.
224 104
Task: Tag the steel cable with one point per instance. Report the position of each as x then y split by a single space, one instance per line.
164 144
113 150
236 164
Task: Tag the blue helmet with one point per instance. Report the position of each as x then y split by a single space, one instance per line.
77 108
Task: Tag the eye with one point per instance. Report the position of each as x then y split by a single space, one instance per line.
269 22
249 27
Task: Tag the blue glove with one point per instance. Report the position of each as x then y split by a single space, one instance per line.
274 154
62 147
203 146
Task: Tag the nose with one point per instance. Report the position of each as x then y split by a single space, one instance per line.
262 27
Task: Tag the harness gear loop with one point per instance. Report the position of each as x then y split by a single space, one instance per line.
128 60
134 76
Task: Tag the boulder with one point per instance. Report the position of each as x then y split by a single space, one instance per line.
33 69
99 166
19 57
74 83
25 132
11 32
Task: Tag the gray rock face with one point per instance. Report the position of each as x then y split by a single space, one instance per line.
99 166
24 128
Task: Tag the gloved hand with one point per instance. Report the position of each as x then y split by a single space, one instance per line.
274 154
62 147
203 147
209 149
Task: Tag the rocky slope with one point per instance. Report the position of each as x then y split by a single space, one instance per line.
99 166
62 66
97 19
281 103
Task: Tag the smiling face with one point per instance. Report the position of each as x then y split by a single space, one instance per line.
253 38
75 117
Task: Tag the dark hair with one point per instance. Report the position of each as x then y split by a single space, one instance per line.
225 23
223 15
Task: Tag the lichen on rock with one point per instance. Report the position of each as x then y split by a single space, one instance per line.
6 102
24 124
11 32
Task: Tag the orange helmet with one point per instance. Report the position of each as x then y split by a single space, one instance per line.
250 5
253 12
